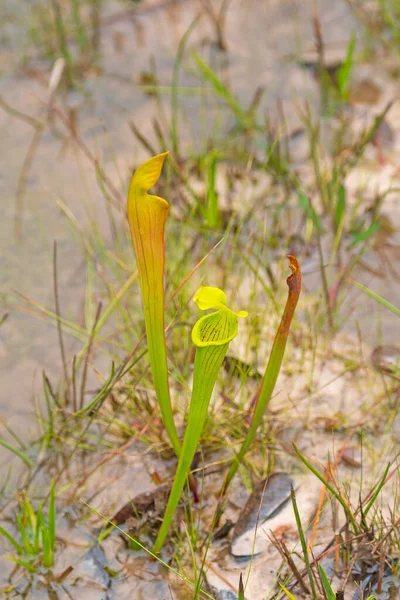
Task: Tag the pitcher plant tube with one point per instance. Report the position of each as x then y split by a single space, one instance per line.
147 215
268 382
211 336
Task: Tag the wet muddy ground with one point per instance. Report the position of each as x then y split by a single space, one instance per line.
331 388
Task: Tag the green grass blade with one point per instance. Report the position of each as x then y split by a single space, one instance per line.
330 594
52 516
41 526
222 91
365 234
376 297
344 72
309 211
288 594
36 541
80 28
303 542
340 206
30 516
334 492
17 452
46 540
62 36
378 489
99 397
28 513
212 210
47 397
47 551
22 563
180 576
12 541
24 536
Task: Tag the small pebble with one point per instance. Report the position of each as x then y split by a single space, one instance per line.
352 457
386 359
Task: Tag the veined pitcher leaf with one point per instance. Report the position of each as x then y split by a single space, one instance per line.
219 327
215 329
147 215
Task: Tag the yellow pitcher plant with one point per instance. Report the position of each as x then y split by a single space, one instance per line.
147 215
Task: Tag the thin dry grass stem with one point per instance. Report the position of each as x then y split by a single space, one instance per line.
333 547
350 513
110 456
23 178
393 472
59 328
319 40
73 382
35 123
142 139
221 576
349 569
139 10
192 272
382 562
344 553
96 27
17 578
88 355
62 40
337 552
286 557
219 21
327 474
118 196
38 127
160 135
387 535
303 545
53 395
325 286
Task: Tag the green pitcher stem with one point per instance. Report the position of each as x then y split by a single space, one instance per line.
271 372
207 364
